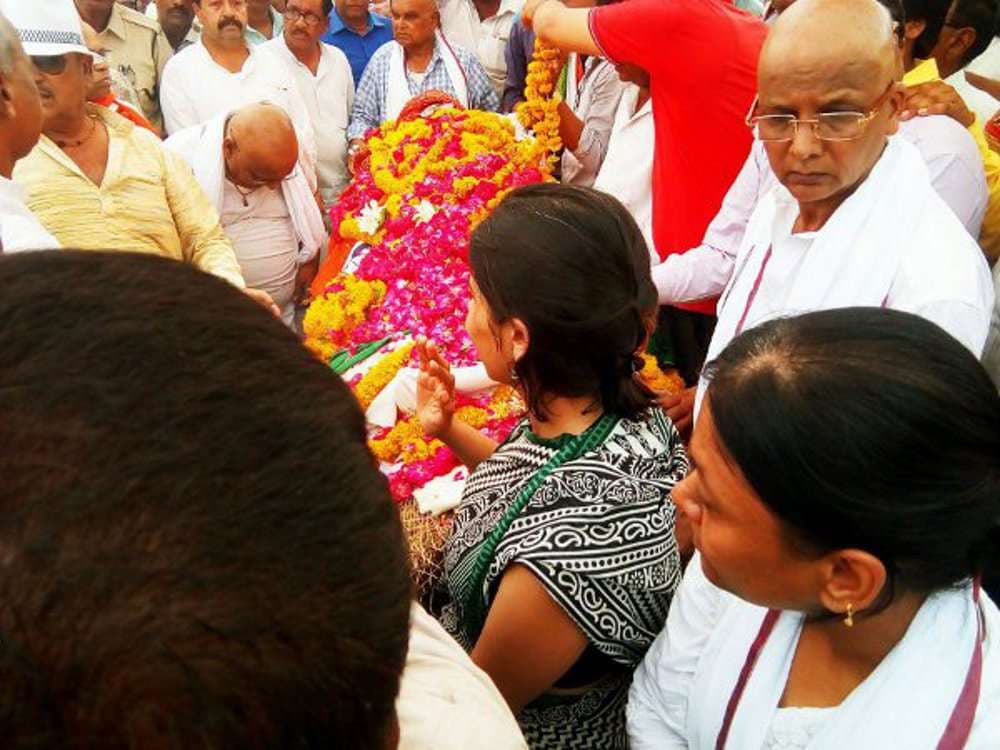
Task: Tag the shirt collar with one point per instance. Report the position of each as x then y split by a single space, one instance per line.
924 72
337 25
116 24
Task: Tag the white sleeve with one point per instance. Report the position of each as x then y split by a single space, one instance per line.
962 188
658 700
178 109
704 271
966 322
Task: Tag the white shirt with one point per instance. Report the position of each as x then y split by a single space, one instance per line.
19 229
627 171
594 99
486 39
951 156
195 89
445 701
664 711
260 227
328 97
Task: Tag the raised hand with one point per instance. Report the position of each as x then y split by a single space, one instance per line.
435 389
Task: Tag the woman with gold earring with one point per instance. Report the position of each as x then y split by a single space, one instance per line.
845 502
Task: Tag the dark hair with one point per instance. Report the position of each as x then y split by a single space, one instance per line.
932 13
898 14
571 264
198 550
871 429
981 17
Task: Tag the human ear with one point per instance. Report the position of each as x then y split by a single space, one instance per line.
913 29
851 577
897 102
519 338
6 100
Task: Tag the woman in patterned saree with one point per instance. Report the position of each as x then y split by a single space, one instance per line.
562 560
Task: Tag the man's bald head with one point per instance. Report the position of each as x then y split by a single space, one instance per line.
847 37
10 46
260 146
20 106
834 65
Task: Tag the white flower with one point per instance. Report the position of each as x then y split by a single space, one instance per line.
371 218
425 212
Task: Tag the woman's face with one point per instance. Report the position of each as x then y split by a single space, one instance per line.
492 340
744 548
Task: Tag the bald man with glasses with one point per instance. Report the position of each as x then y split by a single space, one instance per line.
854 219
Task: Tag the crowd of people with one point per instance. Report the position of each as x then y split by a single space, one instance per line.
796 203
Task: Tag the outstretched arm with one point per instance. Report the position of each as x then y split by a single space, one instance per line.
562 27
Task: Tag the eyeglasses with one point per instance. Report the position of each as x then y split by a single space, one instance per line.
826 126
50 65
293 14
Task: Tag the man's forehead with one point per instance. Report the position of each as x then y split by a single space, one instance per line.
821 74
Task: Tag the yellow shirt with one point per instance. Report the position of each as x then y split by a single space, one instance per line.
135 50
148 202
989 236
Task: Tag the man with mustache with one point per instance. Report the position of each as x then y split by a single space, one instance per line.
20 127
133 49
323 76
222 73
95 180
176 20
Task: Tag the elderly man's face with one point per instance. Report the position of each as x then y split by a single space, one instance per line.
305 23
414 21
63 82
816 170
20 103
222 20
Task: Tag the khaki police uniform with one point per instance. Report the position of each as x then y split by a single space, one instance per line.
136 50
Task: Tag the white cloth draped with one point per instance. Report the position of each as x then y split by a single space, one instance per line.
201 147
893 242
398 92
680 692
19 228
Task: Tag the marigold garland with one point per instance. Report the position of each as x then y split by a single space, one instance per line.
378 377
658 380
539 112
424 185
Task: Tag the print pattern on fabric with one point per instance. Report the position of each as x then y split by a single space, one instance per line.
599 536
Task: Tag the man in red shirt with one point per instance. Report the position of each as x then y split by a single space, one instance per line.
702 60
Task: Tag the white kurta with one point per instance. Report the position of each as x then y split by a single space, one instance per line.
627 171
445 701
19 228
680 691
593 97
486 39
265 242
328 97
195 89
952 159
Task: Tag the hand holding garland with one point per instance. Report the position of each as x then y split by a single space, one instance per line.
436 408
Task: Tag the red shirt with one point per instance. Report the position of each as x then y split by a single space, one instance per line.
702 59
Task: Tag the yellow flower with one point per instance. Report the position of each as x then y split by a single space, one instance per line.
378 377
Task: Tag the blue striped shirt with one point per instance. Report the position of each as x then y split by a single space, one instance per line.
370 100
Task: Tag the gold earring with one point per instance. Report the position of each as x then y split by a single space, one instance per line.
849 620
